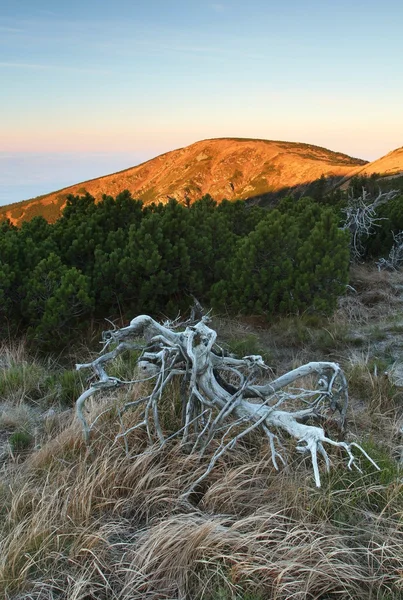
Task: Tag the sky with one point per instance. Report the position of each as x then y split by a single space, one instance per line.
89 87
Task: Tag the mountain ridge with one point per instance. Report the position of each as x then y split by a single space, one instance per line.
232 168
391 164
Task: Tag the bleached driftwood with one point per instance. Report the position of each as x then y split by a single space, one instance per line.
360 218
224 396
395 258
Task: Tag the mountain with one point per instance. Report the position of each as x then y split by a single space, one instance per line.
229 168
390 165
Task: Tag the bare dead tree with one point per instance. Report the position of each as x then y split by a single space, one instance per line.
361 219
395 259
224 396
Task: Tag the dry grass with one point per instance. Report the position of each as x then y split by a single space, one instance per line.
374 295
92 523
372 380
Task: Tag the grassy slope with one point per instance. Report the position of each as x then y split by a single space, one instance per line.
390 164
94 523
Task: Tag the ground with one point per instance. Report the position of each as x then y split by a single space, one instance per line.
103 522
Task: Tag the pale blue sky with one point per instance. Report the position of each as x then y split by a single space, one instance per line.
89 87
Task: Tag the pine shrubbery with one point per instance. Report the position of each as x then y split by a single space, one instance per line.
118 258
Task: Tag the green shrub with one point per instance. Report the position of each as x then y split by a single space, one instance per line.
293 262
115 258
20 441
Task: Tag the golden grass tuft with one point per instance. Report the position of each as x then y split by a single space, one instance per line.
93 523
101 523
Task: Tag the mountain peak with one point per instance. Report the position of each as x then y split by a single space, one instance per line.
231 168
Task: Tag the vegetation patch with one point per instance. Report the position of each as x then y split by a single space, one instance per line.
109 519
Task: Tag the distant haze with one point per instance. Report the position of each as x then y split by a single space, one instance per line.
27 175
135 79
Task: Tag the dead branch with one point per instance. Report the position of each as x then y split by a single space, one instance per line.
361 219
225 397
395 258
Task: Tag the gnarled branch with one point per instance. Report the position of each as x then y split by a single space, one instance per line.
360 218
214 406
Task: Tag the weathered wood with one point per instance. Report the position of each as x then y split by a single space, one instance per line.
212 406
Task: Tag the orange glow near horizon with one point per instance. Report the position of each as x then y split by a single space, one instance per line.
363 143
